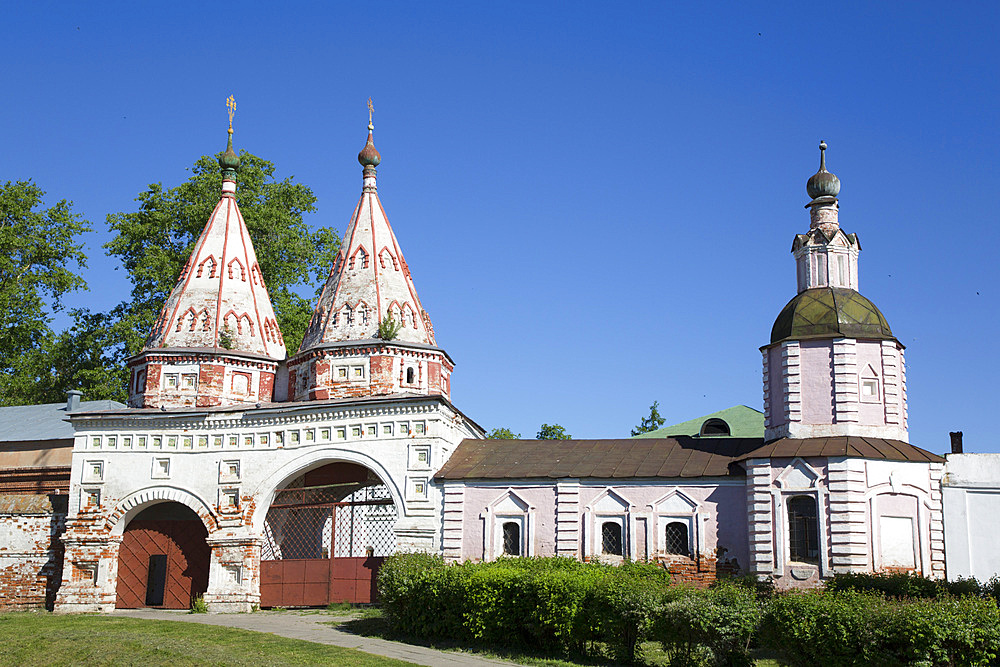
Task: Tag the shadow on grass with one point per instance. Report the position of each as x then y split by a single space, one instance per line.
376 625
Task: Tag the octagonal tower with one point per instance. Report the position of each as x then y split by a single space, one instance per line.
833 366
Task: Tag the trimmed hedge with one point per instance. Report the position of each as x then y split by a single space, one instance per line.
560 605
848 628
910 585
551 604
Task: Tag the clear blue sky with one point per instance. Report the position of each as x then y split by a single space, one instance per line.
597 200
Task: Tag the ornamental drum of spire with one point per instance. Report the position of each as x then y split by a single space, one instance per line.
369 334
833 366
216 341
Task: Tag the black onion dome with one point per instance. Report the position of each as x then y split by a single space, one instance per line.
823 183
830 312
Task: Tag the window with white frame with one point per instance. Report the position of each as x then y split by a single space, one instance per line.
803 529
869 385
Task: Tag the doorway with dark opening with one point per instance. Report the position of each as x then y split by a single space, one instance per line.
163 558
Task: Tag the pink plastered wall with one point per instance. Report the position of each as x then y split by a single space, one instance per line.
871 412
816 367
719 516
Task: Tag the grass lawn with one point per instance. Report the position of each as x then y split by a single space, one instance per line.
46 639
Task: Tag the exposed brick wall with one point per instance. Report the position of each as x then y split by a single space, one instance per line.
31 553
701 572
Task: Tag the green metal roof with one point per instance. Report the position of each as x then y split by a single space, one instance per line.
830 312
744 422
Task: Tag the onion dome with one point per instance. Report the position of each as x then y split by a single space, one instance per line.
369 157
823 183
830 312
229 161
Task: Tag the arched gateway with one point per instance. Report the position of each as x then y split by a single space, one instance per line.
163 559
324 537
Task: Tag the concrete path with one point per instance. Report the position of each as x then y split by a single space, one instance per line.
312 628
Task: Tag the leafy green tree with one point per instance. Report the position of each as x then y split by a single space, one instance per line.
553 432
501 433
39 249
652 422
154 242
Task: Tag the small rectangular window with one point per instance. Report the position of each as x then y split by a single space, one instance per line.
264 440
355 431
112 441
188 442
203 442
324 434
372 430
141 442
341 433
127 442
172 441
217 441
157 442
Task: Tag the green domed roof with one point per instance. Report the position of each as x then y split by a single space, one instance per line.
830 312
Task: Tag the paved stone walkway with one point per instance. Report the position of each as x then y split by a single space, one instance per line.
312 628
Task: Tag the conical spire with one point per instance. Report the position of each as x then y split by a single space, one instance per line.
370 280
220 300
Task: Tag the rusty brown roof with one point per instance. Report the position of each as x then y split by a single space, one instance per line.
677 457
850 445
681 456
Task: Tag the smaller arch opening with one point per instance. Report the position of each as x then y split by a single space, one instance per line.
511 538
409 376
715 426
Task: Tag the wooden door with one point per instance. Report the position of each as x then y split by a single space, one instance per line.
179 546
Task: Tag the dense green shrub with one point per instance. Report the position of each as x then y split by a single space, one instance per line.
622 606
709 627
553 604
853 628
893 584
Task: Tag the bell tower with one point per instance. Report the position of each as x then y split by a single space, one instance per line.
833 366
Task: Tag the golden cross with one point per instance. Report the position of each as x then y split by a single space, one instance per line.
231 107
371 110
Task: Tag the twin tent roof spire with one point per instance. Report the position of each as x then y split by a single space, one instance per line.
217 340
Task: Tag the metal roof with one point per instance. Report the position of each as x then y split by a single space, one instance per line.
678 457
744 422
830 312
682 456
19 423
849 445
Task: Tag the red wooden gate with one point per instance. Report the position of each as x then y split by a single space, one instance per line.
316 552
315 582
178 555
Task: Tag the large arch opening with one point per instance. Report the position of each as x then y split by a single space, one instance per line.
163 559
325 535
